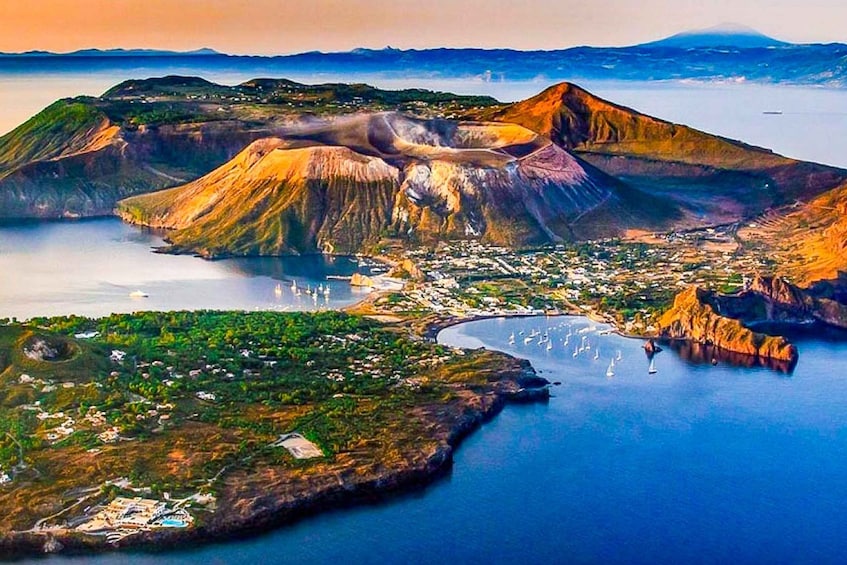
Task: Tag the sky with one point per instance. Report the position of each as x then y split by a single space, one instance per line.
287 26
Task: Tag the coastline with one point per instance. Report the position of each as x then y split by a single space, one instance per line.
517 382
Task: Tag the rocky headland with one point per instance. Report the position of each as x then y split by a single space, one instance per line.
728 321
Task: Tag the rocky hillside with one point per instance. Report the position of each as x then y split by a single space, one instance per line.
341 185
694 317
809 241
724 320
563 165
716 179
79 156
72 160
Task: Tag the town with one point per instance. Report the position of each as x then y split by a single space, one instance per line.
624 282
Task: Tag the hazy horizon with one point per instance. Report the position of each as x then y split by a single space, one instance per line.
272 27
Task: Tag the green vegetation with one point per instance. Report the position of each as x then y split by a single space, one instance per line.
60 128
167 100
176 401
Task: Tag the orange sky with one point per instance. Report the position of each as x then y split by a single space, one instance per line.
284 26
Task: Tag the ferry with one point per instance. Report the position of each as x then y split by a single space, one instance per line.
138 294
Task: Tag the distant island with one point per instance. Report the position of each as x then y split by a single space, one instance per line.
725 53
205 51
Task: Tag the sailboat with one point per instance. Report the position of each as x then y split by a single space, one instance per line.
575 351
652 370
512 339
549 346
278 290
596 354
294 286
610 372
618 356
527 339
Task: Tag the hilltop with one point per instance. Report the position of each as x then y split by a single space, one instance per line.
271 166
79 156
715 179
341 185
733 36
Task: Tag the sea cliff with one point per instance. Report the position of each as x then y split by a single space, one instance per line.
693 317
726 320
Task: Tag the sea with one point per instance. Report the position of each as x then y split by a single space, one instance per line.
695 463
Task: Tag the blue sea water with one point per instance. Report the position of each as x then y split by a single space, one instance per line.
90 267
694 464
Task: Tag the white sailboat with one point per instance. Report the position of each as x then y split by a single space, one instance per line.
596 354
512 339
618 356
575 351
652 370
278 290
549 346
610 372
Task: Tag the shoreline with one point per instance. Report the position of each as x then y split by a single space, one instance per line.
517 382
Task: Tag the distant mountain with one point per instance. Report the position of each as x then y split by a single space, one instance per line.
721 36
813 64
205 51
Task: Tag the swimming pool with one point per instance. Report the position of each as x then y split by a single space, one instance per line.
173 523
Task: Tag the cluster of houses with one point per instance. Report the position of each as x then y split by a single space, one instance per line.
125 516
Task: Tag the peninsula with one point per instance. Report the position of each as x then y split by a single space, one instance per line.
163 427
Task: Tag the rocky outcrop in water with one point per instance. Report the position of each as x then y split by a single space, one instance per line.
693 317
725 320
